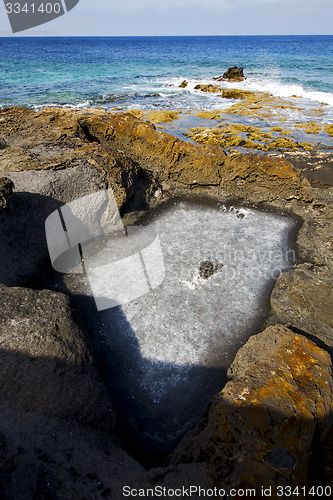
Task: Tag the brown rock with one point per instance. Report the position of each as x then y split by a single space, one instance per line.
162 116
208 88
184 84
255 178
163 156
96 136
233 74
6 191
259 430
236 94
248 176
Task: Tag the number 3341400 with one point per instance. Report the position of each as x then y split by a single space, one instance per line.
32 8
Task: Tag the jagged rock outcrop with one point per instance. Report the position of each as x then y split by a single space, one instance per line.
233 74
260 429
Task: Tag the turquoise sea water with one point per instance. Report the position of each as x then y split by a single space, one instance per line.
122 73
138 71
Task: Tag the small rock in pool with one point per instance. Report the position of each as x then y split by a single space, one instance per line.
208 268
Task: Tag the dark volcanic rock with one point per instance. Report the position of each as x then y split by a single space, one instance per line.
56 459
260 429
233 74
46 365
57 424
207 268
6 191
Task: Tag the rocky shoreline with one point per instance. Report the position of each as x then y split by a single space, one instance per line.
59 433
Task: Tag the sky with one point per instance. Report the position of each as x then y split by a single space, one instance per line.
186 17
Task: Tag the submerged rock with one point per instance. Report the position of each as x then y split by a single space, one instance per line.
208 88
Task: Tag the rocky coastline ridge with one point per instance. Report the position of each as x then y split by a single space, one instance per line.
272 423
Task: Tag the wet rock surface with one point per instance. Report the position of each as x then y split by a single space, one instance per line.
208 268
55 156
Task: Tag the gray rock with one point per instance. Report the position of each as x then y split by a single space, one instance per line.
58 459
24 254
304 299
46 366
57 424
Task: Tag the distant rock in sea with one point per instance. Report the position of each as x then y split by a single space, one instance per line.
234 74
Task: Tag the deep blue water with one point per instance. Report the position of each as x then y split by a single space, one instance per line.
139 71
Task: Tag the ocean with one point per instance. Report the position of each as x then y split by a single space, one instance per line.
125 73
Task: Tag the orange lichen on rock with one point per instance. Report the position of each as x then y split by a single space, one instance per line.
262 424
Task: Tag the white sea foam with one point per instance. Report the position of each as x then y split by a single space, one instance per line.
80 105
280 89
272 86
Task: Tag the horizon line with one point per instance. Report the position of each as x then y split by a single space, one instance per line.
10 35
